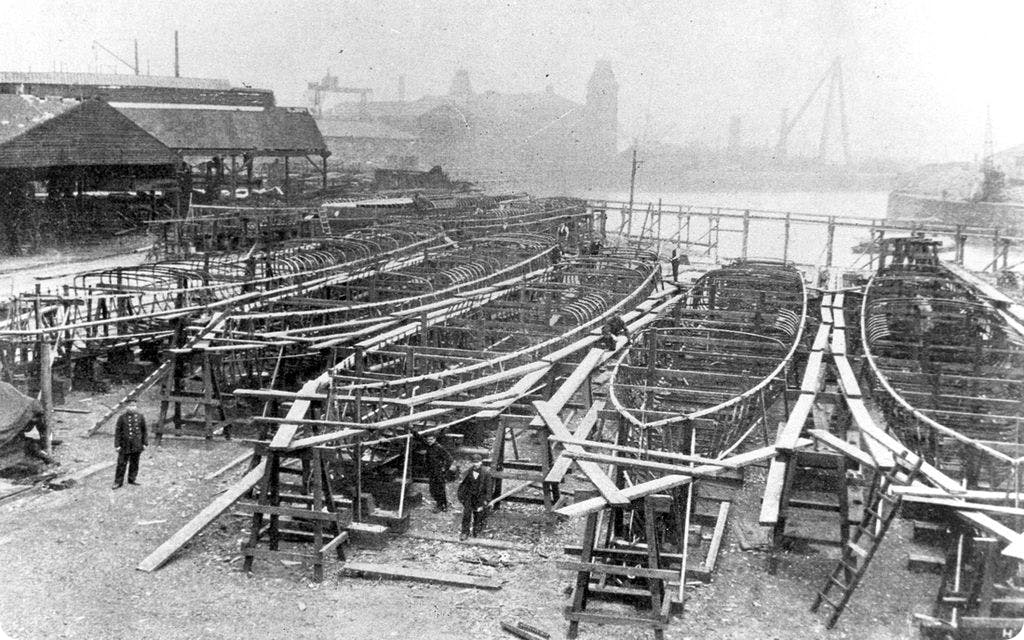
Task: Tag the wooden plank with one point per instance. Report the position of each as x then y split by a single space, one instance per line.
163 553
968 506
843 447
661 485
771 501
292 512
813 373
653 453
583 429
838 300
866 425
333 544
636 463
838 345
847 379
593 472
838 321
615 570
918 489
396 572
711 559
821 338
615 618
283 436
787 438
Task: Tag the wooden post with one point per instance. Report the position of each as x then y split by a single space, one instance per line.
995 249
785 240
405 476
46 392
324 184
746 233
831 241
286 189
45 376
357 490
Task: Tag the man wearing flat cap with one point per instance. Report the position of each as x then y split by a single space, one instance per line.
474 492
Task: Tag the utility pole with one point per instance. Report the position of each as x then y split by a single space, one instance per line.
177 70
632 177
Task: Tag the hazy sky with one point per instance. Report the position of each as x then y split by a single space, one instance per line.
918 73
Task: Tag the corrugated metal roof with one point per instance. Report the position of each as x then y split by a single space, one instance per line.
272 131
86 134
342 128
115 79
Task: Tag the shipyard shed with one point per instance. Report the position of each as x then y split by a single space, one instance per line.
230 140
99 171
91 137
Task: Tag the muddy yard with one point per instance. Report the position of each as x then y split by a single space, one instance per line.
68 559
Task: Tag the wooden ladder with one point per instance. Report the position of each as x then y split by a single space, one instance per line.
325 225
879 512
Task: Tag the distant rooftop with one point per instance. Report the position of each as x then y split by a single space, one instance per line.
111 79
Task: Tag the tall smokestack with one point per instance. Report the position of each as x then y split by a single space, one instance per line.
136 57
177 70
401 88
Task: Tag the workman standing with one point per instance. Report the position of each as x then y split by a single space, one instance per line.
130 438
438 463
474 493
675 265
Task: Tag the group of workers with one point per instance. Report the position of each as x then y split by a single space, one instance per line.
474 490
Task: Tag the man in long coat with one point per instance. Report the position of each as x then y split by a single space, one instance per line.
130 438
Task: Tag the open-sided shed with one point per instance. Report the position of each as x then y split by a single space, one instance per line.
239 134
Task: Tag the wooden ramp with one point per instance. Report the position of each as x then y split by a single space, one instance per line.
163 553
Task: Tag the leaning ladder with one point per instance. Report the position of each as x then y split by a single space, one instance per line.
879 512
325 225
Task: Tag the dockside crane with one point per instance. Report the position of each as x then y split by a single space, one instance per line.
836 93
329 84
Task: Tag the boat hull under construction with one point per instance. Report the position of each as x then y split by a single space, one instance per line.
949 369
695 380
436 371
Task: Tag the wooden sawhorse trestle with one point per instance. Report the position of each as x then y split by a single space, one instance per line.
304 511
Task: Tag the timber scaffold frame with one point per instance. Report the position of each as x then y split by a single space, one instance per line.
947 364
673 427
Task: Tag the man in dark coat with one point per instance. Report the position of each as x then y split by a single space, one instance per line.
130 439
438 463
474 494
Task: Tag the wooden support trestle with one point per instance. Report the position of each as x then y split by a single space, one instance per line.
302 509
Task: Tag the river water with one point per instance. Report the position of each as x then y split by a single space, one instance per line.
808 243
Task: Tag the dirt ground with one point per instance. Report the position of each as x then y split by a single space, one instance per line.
54 267
68 559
